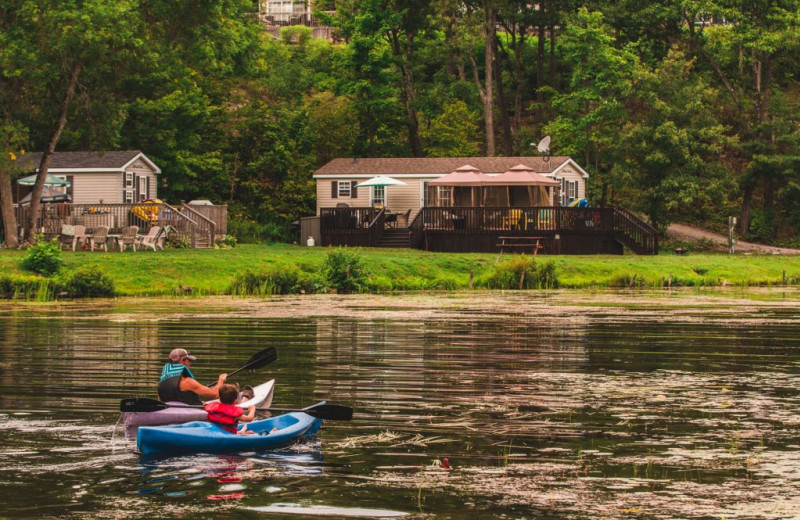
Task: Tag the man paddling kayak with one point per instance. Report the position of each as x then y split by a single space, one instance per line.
178 383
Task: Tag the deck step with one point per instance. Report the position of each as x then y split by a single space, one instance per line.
395 239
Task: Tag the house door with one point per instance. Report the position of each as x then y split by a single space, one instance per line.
377 196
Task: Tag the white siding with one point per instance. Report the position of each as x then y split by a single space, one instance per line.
91 188
570 174
399 199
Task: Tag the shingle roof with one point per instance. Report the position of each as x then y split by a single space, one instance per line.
435 166
79 160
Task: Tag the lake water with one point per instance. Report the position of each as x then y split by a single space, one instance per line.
557 405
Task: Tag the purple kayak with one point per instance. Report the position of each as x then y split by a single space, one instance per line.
180 413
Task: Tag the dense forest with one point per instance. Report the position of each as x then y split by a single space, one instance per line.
683 110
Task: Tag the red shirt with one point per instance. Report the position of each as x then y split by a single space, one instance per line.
226 416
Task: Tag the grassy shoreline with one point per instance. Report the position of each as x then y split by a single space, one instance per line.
210 272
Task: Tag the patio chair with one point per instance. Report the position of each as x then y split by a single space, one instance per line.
128 237
71 236
149 240
99 238
402 219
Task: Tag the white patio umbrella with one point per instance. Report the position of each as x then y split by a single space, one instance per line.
381 180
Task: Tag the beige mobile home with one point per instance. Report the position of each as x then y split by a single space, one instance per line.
337 181
98 177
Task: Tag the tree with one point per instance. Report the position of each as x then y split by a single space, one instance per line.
453 133
672 139
589 113
48 46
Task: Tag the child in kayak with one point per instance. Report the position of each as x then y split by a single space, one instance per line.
226 414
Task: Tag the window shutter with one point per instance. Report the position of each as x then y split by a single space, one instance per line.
335 189
147 187
71 185
353 190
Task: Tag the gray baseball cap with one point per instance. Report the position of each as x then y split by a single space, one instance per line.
179 354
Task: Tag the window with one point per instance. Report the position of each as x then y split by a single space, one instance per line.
128 180
378 196
344 189
438 195
572 190
128 196
143 188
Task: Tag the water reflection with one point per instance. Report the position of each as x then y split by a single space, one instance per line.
543 408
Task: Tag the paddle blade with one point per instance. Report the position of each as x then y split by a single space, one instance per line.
260 359
140 404
330 412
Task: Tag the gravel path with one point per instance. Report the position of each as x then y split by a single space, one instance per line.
689 233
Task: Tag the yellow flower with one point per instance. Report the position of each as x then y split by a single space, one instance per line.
13 157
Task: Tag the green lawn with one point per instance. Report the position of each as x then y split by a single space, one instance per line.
211 271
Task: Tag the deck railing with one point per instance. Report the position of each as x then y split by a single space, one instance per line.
630 230
187 221
351 226
618 223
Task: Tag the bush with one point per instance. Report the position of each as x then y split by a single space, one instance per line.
522 273
43 257
249 231
89 282
343 271
282 279
227 242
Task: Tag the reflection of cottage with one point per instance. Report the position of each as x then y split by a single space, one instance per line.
97 177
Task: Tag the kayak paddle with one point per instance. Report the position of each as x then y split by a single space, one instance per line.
257 360
322 410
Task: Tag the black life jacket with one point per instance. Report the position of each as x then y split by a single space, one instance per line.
169 387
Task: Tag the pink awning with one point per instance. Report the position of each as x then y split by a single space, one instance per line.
464 176
521 175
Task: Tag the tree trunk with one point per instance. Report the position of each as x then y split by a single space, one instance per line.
502 104
540 61
38 187
488 101
7 210
744 219
406 54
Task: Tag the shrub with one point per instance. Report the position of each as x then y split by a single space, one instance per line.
227 242
89 282
522 273
282 279
249 231
343 271
43 257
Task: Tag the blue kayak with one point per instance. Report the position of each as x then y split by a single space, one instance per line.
205 437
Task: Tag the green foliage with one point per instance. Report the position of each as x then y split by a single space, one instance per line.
521 272
28 287
88 281
343 271
227 242
762 226
280 279
453 133
248 230
43 258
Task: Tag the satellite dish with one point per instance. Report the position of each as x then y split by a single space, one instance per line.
544 145
544 148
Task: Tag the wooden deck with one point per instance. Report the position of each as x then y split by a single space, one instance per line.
199 225
447 229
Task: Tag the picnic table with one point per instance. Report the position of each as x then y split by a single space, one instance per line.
520 244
